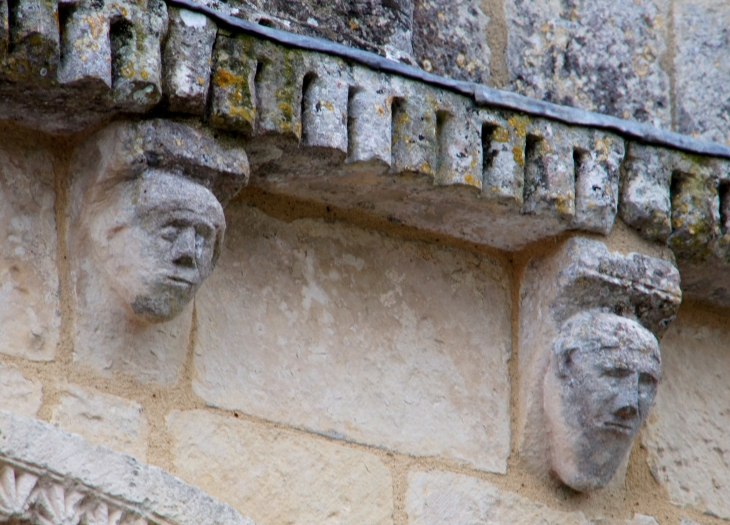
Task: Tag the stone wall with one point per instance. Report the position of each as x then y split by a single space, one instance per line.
335 374
657 61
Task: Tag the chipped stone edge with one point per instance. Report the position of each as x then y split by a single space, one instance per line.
57 476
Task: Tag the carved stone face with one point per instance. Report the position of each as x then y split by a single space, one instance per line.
158 239
598 390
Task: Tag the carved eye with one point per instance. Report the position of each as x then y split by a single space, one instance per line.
616 372
169 232
647 380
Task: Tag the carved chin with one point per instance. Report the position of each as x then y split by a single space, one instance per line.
161 307
590 459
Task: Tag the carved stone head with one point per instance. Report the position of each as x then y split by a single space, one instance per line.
598 389
151 217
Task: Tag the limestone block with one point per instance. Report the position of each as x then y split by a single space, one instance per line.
325 100
18 394
278 86
701 68
645 202
458 129
600 56
414 130
187 61
103 419
450 39
32 49
369 119
597 162
359 337
53 477
549 170
503 156
277 476
146 228
589 358
136 53
446 498
686 434
29 316
86 47
233 100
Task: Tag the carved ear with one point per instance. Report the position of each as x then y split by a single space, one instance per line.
565 362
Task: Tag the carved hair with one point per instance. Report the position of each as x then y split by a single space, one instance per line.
593 331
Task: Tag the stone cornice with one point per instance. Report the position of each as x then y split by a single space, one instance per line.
51 477
450 157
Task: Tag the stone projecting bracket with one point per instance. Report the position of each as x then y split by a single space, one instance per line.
52 477
607 309
354 130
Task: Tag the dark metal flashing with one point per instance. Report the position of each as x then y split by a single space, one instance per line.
482 95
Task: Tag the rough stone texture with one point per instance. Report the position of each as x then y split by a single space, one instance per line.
450 39
336 330
601 56
445 498
52 477
187 61
686 434
103 419
29 316
383 27
702 38
18 394
276 476
582 278
145 229
63 72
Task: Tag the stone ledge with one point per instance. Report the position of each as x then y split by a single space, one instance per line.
53 477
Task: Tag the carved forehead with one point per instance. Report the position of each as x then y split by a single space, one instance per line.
599 333
163 192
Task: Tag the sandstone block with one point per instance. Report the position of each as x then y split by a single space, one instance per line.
18 394
701 68
276 476
360 337
600 56
686 433
103 419
445 498
29 316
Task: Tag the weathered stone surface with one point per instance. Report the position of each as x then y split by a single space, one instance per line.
381 27
333 329
599 310
29 316
601 56
74 67
702 99
450 39
445 498
146 228
18 394
103 419
52 477
686 433
187 61
276 476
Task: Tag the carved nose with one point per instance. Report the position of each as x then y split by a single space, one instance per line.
183 251
627 412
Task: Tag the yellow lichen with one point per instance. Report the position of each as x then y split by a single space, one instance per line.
519 156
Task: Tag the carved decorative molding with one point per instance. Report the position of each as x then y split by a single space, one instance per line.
406 147
52 477
589 358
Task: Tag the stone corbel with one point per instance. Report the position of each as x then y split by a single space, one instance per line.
589 359
146 228
52 477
